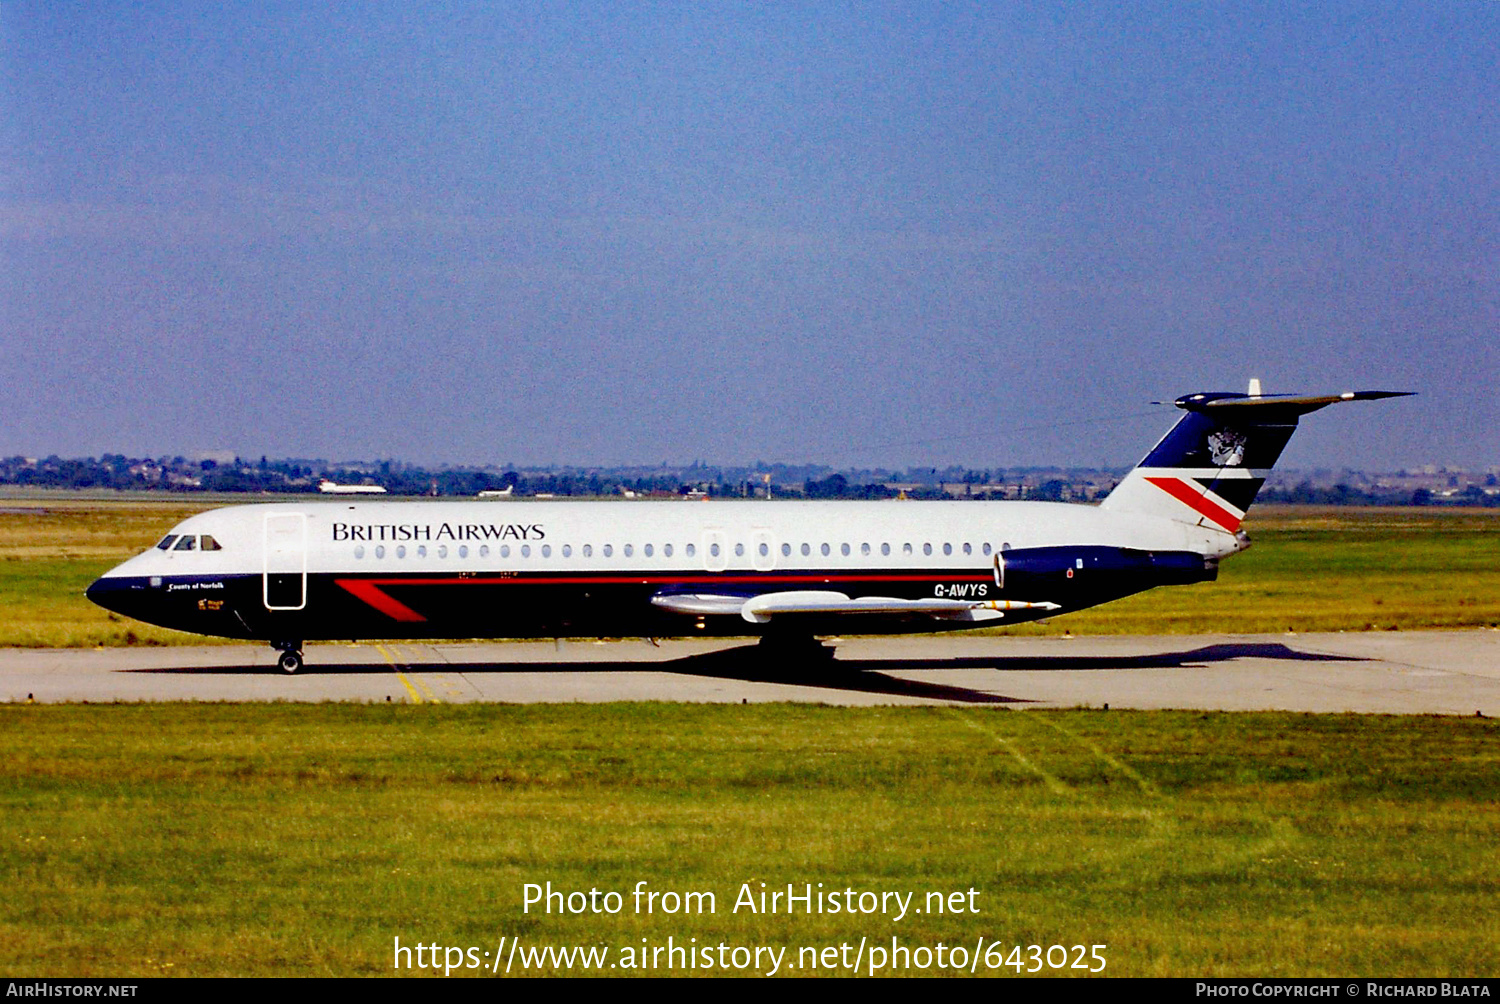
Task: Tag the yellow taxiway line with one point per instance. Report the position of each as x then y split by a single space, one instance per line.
416 697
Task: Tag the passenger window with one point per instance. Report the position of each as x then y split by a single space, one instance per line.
442 550
765 549
739 550
825 549
885 549
947 549
186 543
926 548
400 550
546 550
968 548
505 550
692 549
484 550
646 550
421 550
786 550
567 550
806 550
906 548
588 550
463 550
166 542
864 549
986 549
207 543
609 549
525 550
713 550
359 550
666 549
380 550
844 550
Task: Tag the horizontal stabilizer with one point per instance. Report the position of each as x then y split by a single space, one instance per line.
1285 404
760 609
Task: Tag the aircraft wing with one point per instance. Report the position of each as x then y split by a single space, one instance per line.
763 608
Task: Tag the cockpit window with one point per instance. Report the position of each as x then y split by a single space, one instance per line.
187 543
207 543
166 542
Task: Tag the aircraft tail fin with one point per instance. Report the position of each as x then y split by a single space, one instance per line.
1208 469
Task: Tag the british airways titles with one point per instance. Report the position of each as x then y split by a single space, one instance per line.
442 531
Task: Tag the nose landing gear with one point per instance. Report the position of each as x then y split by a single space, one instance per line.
290 659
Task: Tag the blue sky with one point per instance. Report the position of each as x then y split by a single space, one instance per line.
871 234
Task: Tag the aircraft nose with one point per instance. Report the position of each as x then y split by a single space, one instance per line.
96 593
108 593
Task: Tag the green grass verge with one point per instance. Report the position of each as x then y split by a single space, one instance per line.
288 840
50 550
1314 568
1311 569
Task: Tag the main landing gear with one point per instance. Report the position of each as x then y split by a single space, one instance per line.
290 659
794 649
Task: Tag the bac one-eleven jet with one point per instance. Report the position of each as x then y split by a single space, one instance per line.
287 573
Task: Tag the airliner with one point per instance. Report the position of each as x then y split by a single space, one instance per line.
331 488
788 571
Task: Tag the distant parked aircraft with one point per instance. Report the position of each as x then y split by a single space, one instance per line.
329 488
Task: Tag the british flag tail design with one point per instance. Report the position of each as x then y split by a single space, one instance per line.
1208 469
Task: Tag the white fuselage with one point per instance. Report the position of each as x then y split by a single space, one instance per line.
435 569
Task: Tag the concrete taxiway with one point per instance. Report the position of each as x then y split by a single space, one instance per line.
1428 672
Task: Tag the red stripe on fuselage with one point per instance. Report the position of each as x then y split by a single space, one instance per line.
1193 496
371 591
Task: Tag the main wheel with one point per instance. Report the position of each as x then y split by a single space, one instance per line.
801 648
290 662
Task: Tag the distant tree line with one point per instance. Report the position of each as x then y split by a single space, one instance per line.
177 474
1306 493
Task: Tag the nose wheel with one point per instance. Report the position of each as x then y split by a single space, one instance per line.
290 659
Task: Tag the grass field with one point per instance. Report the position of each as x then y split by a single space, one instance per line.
1327 568
51 550
288 840
1311 569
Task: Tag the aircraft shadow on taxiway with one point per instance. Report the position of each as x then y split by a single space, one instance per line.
815 667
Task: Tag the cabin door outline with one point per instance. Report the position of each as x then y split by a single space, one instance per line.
284 565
